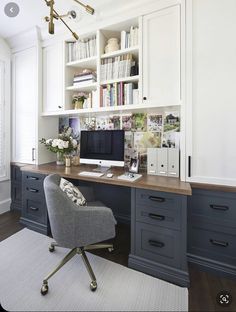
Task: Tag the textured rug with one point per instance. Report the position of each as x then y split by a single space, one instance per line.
25 261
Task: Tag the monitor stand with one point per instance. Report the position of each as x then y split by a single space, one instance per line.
101 169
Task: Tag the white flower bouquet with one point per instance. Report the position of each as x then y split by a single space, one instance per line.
64 144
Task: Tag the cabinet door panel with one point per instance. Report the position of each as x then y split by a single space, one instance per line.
161 57
52 78
211 122
24 105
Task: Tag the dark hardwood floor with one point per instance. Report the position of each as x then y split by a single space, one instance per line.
204 287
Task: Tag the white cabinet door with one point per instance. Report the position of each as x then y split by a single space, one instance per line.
53 78
161 57
211 147
24 105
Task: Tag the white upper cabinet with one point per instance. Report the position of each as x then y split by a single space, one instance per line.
25 105
161 57
210 129
53 78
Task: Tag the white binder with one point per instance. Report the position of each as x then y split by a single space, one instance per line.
152 161
173 162
162 161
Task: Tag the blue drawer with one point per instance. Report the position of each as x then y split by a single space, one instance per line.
158 244
214 207
212 242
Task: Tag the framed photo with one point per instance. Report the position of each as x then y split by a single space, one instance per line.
134 164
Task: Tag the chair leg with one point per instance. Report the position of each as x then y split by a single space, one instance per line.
93 284
99 246
70 255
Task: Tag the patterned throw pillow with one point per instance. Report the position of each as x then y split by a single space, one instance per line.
72 192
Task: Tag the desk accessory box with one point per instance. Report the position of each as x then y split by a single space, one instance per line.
163 161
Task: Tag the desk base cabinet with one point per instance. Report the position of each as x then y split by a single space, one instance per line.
212 231
34 209
158 235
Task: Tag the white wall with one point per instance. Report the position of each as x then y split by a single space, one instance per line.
5 186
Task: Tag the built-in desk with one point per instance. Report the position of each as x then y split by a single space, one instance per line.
156 208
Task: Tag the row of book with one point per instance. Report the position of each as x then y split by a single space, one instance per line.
119 94
82 49
84 78
129 39
117 67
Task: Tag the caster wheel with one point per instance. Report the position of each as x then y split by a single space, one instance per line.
93 286
44 289
51 248
110 249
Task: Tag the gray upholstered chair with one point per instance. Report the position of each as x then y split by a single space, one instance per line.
76 227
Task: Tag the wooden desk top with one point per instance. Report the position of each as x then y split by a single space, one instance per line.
156 183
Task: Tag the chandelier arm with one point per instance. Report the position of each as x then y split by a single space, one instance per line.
61 19
88 8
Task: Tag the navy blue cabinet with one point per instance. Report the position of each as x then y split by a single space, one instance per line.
158 235
212 231
34 209
16 187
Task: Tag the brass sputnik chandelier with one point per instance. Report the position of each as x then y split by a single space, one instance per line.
54 15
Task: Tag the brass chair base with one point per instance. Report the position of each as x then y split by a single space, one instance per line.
70 255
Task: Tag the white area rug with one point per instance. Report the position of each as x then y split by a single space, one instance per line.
25 261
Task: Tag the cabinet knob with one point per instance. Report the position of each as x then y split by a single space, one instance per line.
144 98
59 106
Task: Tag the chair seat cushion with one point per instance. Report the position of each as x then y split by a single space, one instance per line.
72 192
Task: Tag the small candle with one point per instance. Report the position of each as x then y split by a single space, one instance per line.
68 162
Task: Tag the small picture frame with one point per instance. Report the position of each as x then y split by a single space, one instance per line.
134 164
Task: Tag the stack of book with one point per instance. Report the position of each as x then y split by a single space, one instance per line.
117 67
118 94
84 78
129 39
82 49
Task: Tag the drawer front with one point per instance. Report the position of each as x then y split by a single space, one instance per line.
158 244
163 217
33 185
35 210
213 244
156 199
214 207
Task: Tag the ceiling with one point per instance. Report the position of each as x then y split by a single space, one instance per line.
32 13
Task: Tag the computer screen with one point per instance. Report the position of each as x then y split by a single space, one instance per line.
104 147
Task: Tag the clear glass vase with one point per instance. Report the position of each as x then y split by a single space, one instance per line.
60 159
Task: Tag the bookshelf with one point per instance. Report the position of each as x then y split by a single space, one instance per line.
126 69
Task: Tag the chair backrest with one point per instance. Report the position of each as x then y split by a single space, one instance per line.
60 211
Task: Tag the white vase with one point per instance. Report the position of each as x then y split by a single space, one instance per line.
112 45
60 159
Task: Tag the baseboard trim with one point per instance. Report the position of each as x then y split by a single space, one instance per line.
216 267
32 225
5 205
173 275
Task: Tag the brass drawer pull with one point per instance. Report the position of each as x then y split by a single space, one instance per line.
156 243
219 207
32 178
32 190
219 243
157 199
156 217
34 208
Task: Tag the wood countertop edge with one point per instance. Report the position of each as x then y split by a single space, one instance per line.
137 184
213 187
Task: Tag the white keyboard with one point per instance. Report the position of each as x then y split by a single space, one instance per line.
90 174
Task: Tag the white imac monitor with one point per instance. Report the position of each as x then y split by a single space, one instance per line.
104 148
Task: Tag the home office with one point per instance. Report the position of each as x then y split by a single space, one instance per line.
114 193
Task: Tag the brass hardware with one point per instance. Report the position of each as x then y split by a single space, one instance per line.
70 255
88 8
54 15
